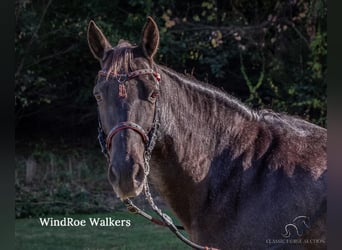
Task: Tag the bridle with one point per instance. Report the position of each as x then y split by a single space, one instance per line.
149 138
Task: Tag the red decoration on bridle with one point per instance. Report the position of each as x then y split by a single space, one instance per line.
122 90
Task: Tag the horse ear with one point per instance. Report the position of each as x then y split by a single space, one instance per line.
97 41
150 38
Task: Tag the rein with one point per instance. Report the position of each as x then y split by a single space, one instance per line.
149 138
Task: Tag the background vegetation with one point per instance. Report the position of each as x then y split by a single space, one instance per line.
270 54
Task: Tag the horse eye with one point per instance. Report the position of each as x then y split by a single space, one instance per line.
98 98
153 96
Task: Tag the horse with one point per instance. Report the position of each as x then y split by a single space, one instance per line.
234 177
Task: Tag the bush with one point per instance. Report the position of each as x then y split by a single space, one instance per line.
64 181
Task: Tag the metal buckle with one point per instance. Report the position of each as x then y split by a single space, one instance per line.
121 78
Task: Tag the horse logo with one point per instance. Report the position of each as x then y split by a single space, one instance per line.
298 224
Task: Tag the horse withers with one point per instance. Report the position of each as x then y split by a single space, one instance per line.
236 178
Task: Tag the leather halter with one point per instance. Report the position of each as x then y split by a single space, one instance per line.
121 79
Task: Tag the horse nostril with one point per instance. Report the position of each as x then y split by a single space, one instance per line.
138 174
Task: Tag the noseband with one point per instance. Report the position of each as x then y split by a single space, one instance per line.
126 125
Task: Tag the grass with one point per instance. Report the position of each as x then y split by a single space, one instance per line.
29 234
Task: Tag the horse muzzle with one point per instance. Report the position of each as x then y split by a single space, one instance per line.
127 181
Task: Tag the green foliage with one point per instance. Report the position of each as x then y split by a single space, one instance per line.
65 181
253 88
318 55
283 44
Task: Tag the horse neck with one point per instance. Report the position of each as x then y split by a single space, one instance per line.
199 118
197 122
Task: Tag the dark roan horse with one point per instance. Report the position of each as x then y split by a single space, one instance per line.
236 178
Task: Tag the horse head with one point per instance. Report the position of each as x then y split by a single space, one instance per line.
126 92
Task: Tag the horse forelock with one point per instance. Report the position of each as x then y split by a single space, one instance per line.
119 60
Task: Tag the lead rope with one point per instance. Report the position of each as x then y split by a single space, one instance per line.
165 219
168 221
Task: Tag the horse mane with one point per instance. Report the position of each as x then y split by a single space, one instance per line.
191 83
